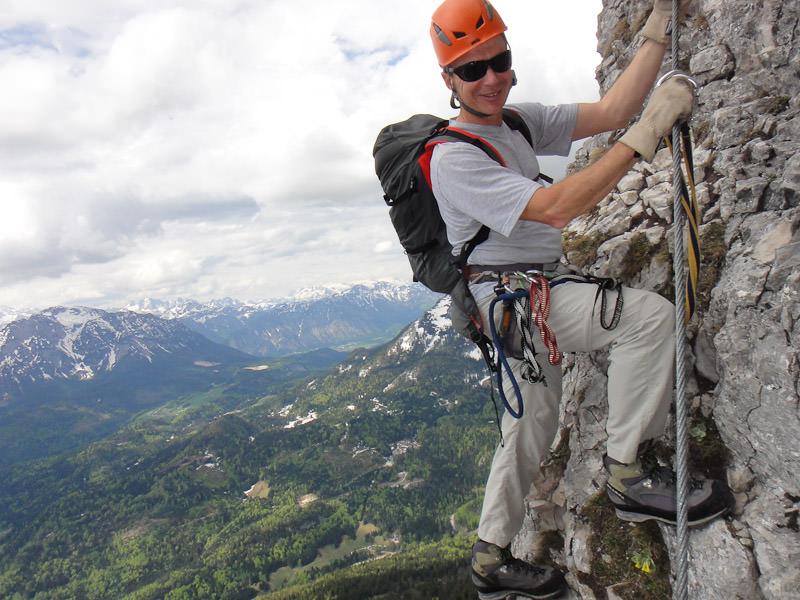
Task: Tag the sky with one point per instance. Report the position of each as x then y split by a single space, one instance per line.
223 148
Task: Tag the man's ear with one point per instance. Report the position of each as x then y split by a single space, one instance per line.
448 80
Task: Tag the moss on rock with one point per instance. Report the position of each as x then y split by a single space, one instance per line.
713 251
617 548
581 250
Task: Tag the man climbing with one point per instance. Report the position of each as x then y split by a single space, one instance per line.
525 219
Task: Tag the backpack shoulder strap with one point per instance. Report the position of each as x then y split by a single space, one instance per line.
448 133
454 134
515 121
459 135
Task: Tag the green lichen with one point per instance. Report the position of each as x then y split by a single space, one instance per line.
708 454
637 257
581 250
642 253
713 251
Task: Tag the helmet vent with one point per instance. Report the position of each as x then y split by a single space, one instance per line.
442 35
459 34
479 24
489 10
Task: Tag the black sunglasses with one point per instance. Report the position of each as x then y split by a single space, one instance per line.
476 69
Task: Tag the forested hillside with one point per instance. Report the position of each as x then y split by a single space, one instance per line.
240 491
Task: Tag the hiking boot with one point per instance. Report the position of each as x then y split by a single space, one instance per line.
641 496
497 575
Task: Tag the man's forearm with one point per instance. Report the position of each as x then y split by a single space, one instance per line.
627 94
559 204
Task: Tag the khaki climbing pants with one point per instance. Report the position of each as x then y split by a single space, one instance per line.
640 378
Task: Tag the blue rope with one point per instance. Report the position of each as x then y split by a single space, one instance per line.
501 355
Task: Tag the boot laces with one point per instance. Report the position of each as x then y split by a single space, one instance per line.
668 476
517 565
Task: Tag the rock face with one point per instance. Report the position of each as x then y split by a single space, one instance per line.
744 340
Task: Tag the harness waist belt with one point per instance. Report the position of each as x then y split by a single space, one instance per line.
543 267
483 273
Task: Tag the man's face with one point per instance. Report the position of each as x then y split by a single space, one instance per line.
489 93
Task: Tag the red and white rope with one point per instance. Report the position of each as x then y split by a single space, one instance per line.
540 311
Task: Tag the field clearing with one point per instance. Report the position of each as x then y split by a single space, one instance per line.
330 553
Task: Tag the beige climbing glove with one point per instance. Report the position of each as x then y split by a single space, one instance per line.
670 102
659 24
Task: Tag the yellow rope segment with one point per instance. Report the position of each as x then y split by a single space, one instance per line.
692 211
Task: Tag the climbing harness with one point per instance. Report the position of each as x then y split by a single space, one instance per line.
525 300
530 306
604 285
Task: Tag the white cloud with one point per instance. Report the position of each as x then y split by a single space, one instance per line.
216 148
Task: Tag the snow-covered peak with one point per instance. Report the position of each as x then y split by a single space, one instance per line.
76 317
428 333
376 290
7 315
439 315
318 293
78 343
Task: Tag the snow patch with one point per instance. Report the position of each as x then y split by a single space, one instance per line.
412 335
112 359
83 371
474 354
205 364
439 315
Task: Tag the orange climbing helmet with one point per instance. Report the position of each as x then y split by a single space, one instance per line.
457 26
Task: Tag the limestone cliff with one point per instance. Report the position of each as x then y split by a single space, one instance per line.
743 377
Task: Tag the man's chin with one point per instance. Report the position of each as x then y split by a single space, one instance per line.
494 104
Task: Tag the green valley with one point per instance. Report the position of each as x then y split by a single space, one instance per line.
357 481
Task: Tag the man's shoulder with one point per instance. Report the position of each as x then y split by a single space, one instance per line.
455 155
529 109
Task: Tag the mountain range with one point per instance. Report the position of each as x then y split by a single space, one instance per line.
69 375
341 318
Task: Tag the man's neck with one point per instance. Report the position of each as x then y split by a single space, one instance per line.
465 116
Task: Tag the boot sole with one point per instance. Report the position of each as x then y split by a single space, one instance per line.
641 518
512 595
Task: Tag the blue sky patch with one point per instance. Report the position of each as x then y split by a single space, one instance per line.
352 52
28 35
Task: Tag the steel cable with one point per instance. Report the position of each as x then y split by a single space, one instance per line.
681 588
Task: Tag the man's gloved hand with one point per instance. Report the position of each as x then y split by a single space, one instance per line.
658 23
669 103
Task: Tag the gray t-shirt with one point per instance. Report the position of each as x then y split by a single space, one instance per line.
473 189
